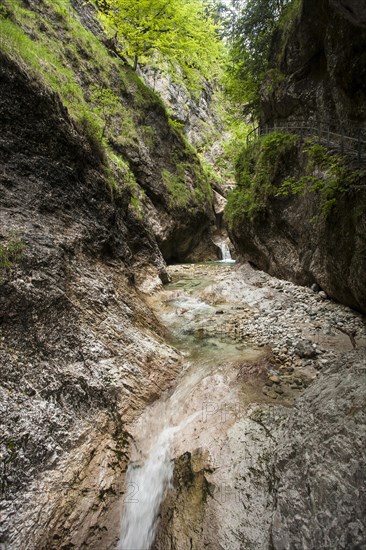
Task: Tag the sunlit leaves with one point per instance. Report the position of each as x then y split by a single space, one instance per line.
179 32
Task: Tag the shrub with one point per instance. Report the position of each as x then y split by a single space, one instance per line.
259 168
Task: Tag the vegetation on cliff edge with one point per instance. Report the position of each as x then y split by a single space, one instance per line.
259 169
102 94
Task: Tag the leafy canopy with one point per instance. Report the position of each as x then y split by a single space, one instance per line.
180 32
250 37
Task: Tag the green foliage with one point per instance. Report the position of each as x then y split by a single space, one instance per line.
149 135
4 12
106 97
209 172
190 185
18 45
250 40
205 177
179 194
333 176
258 170
179 32
11 253
119 171
105 104
231 148
175 124
136 207
66 66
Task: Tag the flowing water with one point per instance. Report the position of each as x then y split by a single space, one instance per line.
179 420
225 252
142 507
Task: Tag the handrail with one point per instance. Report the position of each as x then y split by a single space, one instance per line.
350 146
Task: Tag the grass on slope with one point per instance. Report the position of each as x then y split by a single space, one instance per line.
75 66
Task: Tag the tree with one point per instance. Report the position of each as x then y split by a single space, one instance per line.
180 32
250 39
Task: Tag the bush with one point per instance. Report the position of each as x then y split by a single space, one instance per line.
258 171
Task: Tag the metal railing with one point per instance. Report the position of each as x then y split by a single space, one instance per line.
353 147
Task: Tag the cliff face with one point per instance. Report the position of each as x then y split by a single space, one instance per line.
196 112
80 351
146 152
318 74
291 237
320 63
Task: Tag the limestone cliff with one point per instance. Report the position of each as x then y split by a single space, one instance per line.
319 63
93 218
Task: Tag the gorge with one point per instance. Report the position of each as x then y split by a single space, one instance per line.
156 393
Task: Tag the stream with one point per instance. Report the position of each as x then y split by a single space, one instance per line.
196 412
201 456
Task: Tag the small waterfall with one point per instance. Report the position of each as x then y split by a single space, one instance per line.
146 489
225 252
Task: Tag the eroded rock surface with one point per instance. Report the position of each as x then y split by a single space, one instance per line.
292 240
80 351
321 66
272 456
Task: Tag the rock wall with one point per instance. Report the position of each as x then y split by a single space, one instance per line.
289 240
318 74
296 477
196 112
320 63
80 351
317 464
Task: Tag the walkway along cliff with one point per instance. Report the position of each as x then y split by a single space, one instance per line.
299 209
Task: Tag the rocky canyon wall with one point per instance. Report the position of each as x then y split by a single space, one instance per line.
319 61
80 351
318 75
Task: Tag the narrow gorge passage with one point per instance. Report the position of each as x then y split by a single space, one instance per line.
241 337
179 421
154 393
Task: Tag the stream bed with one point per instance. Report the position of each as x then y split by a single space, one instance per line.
198 411
201 454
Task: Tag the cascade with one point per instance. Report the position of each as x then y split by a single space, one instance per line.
225 252
146 488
